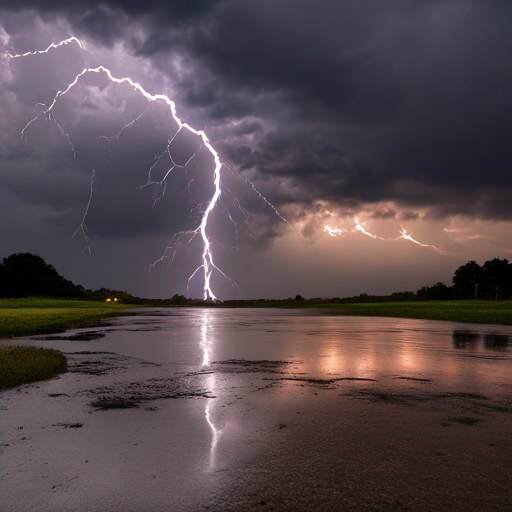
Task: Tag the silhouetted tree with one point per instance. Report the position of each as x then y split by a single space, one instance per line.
467 280
27 275
497 279
437 292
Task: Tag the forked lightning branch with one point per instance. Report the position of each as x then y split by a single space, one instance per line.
208 265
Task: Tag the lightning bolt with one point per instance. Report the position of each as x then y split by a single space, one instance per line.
333 232
408 237
403 235
52 46
362 230
260 195
180 239
82 227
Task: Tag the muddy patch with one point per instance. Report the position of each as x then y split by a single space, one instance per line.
94 367
325 381
133 394
114 402
413 379
385 396
472 396
246 366
80 336
465 421
101 363
471 403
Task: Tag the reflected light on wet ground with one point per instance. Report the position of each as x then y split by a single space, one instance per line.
207 342
195 408
322 346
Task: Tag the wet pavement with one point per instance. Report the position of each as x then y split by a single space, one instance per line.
200 409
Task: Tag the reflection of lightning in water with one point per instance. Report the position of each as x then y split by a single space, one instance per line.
206 346
208 265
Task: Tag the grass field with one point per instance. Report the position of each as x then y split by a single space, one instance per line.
21 365
27 317
482 312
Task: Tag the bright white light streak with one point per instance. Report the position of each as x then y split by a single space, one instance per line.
52 46
210 379
333 232
208 265
408 237
403 235
360 228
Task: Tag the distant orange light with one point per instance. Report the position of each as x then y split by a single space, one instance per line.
109 300
116 299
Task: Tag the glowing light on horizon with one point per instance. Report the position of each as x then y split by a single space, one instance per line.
208 265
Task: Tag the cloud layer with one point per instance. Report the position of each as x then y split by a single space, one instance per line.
396 111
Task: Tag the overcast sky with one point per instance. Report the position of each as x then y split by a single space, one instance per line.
369 113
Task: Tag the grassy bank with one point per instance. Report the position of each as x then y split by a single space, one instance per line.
21 365
27 317
482 312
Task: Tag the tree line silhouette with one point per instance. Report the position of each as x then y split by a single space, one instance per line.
28 275
491 281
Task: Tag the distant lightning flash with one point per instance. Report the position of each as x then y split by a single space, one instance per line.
208 265
82 227
408 237
332 231
403 233
362 230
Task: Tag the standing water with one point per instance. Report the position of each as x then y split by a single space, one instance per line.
473 356
263 409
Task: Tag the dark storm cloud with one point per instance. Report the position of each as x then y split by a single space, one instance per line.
366 101
173 9
388 214
374 101
408 215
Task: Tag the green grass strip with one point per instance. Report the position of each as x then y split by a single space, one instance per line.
43 302
482 312
21 365
28 317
